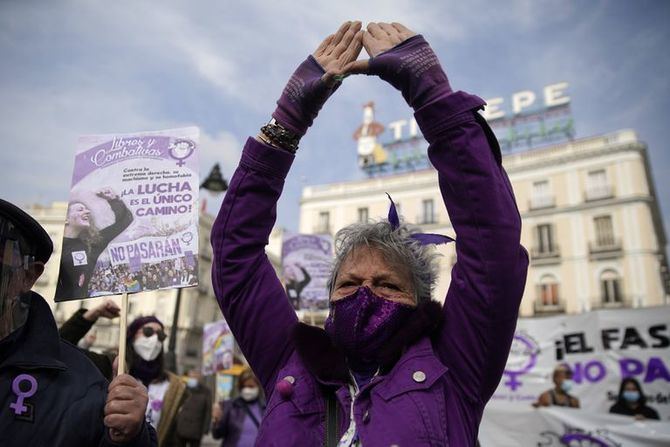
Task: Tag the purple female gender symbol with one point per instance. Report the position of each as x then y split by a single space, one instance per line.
18 406
530 352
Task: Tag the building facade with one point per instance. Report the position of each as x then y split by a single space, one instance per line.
198 306
591 221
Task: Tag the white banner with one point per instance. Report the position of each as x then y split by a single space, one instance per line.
601 347
557 426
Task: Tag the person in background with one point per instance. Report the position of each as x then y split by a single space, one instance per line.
236 421
144 354
632 401
195 414
77 329
559 395
52 394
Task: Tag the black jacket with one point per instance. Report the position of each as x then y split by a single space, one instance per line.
74 330
195 414
67 408
642 410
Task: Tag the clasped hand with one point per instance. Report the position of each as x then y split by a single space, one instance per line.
397 55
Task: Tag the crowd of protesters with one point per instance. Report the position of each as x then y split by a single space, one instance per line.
113 279
630 400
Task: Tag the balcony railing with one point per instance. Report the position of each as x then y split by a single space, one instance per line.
544 255
541 308
541 202
624 302
605 249
599 193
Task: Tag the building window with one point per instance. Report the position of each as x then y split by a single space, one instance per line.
324 222
604 231
597 186
610 287
548 292
428 211
541 195
363 215
545 239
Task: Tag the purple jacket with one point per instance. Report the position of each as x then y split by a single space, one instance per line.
231 425
436 391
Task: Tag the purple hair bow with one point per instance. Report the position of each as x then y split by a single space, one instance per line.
423 238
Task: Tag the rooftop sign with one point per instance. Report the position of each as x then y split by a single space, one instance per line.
534 119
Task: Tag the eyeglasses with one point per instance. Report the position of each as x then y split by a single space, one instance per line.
148 331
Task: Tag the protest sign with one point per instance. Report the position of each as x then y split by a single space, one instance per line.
217 347
132 219
601 347
559 427
306 262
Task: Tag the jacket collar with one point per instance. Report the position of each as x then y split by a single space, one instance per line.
328 363
39 344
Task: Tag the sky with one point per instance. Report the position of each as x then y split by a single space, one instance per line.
78 67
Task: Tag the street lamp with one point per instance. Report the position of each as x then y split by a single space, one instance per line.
217 184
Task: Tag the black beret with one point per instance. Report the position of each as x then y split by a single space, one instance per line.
30 229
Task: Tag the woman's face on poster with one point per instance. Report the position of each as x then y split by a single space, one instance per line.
79 216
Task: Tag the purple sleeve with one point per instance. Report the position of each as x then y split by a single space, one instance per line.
249 293
488 280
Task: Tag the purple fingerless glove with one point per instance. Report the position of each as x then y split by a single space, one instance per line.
303 97
413 68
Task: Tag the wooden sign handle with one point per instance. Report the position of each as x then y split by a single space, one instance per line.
122 334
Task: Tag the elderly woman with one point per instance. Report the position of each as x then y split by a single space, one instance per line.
392 367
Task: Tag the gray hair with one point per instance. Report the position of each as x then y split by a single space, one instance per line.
401 250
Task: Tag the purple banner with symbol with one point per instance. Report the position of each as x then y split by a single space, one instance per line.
306 263
132 218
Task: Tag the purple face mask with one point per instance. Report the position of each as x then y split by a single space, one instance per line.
361 323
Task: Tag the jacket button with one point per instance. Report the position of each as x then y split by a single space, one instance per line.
419 376
285 387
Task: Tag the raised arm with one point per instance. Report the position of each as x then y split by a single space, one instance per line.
250 295
305 279
488 279
122 217
83 320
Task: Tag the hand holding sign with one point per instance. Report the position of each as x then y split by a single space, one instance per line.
124 412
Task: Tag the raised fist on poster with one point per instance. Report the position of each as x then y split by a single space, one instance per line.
107 193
